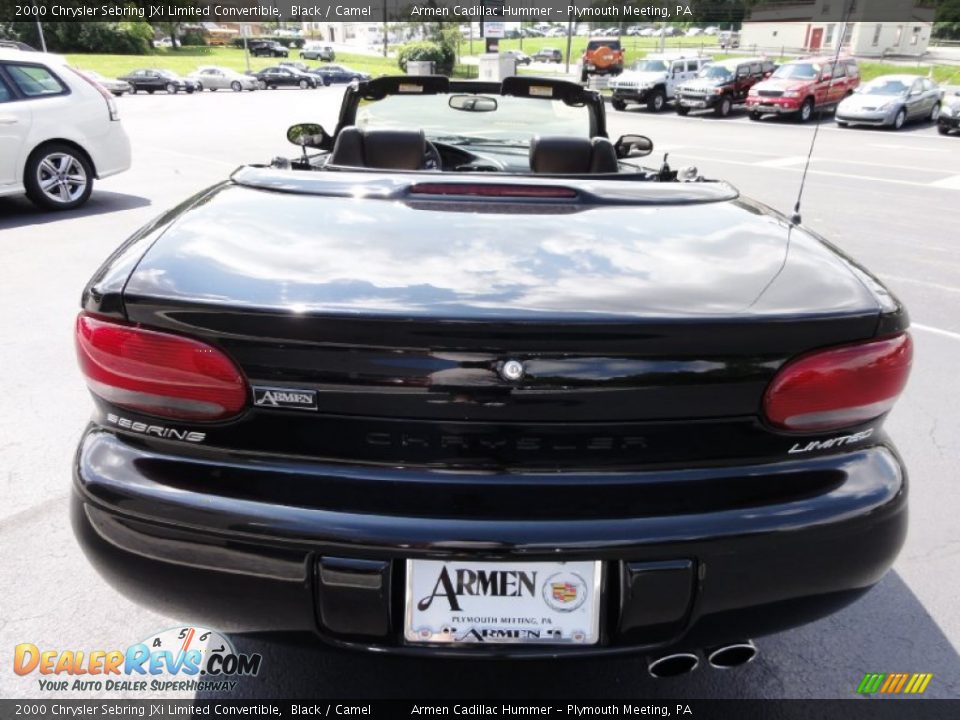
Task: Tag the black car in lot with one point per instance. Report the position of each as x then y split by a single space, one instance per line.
488 413
150 80
332 74
267 48
723 85
280 76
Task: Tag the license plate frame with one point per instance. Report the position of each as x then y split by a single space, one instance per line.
553 613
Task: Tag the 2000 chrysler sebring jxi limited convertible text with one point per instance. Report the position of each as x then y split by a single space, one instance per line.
438 385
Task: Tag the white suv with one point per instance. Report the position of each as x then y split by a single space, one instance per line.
654 80
58 131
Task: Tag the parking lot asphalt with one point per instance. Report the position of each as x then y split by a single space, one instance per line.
891 200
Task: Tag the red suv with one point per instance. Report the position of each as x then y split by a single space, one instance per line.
800 87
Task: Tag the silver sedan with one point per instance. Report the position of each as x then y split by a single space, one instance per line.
212 77
891 101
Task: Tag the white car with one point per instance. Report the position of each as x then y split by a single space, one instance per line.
58 131
654 80
213 78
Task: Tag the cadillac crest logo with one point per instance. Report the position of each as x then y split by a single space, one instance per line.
564 591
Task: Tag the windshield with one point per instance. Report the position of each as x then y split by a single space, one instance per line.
885 87
715 72
797 71
650 66
514 122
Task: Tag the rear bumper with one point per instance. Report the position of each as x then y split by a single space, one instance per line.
950 123
688 580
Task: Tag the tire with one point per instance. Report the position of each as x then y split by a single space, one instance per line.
262 84
47 177
171 89
302 56
133 89
841 124
657 101
304 84
806 111
899 119
934 113
754 115
683 111
943 129
235 86
618 104
200 88
151 91
724 108
584 77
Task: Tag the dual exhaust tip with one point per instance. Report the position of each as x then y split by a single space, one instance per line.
722 657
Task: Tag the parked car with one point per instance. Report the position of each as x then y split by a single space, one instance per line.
267 48
729 39
721 86
296 64
654 80
891 101
277 76
602 56
519 55
801 87
568 430
116 87
16 45
548 54
214 77
949 119
59 130
318 52
151 79
339 74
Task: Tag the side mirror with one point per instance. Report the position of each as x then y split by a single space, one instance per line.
633 146
308 135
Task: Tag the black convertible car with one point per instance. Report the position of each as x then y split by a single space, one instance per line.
464 377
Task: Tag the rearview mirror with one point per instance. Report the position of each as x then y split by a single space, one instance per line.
633 146
307 135
473 103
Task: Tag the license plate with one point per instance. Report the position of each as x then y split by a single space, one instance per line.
546 603
693 103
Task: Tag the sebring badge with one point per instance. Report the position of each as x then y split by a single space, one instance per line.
511 370
285 398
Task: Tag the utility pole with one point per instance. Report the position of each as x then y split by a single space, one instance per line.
569 40
384 28
43 42
245 29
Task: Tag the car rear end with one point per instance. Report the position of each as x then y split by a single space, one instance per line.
603 57
463 434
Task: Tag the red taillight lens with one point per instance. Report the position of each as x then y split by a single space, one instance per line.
839 387
157 373
489 190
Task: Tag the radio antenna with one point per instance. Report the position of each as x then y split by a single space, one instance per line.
848 4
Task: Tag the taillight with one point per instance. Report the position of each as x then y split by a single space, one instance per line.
111 102
491 190
157 373
839 387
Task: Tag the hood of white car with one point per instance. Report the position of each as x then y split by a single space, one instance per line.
639 78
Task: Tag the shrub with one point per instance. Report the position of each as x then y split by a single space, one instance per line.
442 56
193 37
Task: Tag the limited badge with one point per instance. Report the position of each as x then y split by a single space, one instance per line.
285 398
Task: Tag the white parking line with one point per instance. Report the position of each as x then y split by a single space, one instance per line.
927 283
951 183
935 331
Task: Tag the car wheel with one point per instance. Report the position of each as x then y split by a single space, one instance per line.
935 113
841 124
133 89
171 88
681 110
806 111
58 177
304 84
656 101
943 129
302 56
200 88
723 109
236 86
618 104
754 115
151 91
583 77
261 84
899 119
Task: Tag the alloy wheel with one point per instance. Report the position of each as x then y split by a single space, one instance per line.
62 178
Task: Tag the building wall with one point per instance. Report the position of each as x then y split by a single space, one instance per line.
863 38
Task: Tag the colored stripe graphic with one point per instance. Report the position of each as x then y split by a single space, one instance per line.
894 683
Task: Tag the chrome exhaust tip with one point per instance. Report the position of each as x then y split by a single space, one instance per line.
733 655
672 665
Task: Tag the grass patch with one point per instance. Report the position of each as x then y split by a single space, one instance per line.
186 60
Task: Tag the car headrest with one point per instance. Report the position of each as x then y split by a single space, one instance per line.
379 149
572 155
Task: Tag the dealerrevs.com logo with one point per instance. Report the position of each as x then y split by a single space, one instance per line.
185 658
